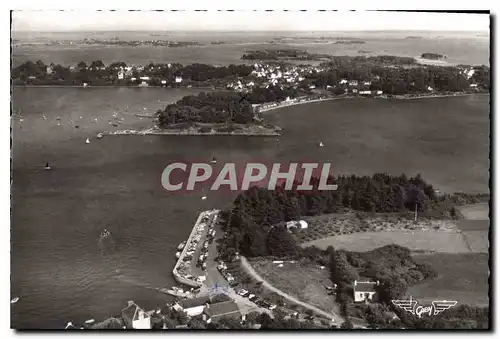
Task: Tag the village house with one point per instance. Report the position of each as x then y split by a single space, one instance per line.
135 317
178 79
212 312
353 83
343 82
365 92
364 291
192 307
121 75
144 78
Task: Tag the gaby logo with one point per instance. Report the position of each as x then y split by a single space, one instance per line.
436 307
182 176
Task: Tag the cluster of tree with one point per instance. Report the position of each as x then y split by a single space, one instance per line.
221 107
391 265
216 107
283 54
97 73
433 56
400 80
255 222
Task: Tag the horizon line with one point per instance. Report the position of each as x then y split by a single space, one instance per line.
234 31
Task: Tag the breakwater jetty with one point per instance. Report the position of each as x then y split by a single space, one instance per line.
182 270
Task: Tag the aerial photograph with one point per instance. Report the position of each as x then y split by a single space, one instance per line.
250 170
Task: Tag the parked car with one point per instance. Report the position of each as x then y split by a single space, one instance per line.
242 292
272 307
246 294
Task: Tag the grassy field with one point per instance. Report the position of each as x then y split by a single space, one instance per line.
304 280
329 225
475 212
461 277
426 241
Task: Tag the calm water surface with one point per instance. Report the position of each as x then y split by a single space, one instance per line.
63 273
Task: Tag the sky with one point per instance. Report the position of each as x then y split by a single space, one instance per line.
85 20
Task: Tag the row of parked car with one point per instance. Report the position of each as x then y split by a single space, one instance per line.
256 300
222 268
184 268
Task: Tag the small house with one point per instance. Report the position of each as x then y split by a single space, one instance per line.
364 290
178 79
144 78
353 83
365 92
430 89
121 75
135 317
343 82
213 312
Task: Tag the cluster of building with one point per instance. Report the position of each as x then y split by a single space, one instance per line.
208 310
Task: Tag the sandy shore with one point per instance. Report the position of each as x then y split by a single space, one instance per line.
194 132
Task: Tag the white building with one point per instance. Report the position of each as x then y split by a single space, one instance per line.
135 317
301 224
365 92
473 85
192 307
430 88
343 82
364 290
178 79
379 92
121 75
144 78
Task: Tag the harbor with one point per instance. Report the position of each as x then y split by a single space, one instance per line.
184 268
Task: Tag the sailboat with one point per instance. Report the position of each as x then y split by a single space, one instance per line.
203 197
214 160
321 144
47 166
87 141
99 135
15 300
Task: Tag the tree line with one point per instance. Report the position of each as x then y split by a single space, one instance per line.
97 73
254 219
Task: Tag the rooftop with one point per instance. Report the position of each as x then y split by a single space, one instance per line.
194 302
219 309
364 286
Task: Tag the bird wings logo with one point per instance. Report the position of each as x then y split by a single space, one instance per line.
436 307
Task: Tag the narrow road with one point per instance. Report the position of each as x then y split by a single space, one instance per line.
249 269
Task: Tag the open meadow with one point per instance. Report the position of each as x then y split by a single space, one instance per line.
302 279
461 277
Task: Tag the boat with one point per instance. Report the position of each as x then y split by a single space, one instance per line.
321 144
99 135
204 197
181 245
47 166
105 234
15 300
178 255
87 141
214 160
90 321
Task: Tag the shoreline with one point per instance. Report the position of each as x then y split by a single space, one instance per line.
189 132
402 97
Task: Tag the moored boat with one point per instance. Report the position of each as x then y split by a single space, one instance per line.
181 245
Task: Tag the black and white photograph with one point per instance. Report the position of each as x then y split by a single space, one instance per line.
250 170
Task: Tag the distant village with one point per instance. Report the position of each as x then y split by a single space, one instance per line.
323 79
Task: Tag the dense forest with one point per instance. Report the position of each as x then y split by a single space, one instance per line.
255 213
220 107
